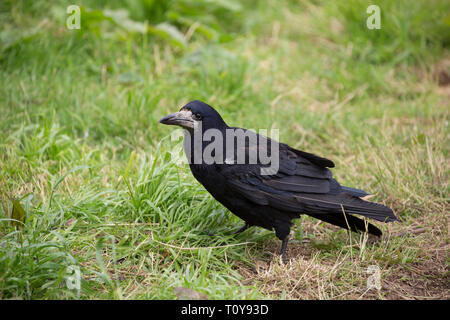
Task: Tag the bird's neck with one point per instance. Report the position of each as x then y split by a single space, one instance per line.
199 146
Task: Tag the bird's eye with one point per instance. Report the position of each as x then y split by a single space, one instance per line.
197 116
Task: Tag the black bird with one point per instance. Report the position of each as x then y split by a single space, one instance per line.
303 184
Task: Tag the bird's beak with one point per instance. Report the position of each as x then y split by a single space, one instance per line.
182 119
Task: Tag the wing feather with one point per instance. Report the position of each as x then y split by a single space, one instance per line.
303 184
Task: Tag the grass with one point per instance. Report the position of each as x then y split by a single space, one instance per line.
83 153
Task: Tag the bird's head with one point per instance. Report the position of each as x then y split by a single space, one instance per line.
192 114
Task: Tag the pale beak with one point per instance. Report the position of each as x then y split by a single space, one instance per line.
182 119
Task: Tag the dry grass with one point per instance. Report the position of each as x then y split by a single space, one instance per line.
318 270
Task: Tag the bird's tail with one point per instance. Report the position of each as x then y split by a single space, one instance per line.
355 205
348 222
343 202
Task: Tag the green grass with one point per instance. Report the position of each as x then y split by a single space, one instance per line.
82 150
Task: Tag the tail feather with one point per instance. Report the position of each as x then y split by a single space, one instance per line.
372 210
348 222
335 203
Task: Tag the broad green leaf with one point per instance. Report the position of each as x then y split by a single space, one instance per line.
129 165
121 18
207 31
226 4
170 33
9 39
447 20
18 213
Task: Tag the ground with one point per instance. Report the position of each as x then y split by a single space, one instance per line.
89 181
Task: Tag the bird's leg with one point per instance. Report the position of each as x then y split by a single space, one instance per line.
245 227
283 249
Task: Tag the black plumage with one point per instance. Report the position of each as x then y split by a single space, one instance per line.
303 183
